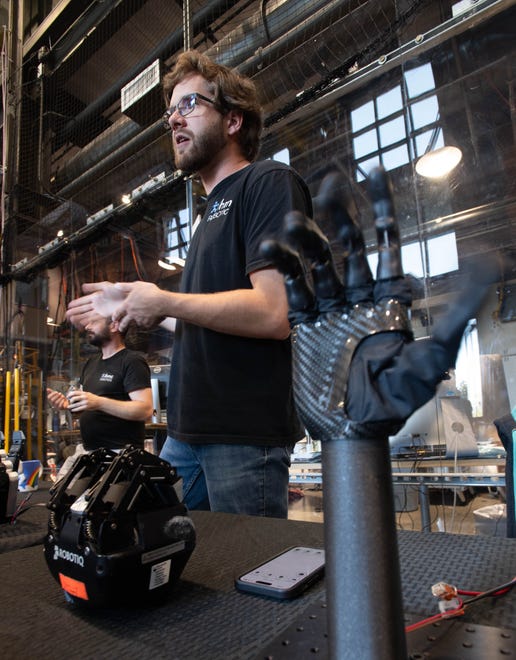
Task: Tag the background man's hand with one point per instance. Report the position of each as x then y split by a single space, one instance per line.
56 399
80 400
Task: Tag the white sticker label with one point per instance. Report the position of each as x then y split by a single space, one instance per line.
160 574
158 553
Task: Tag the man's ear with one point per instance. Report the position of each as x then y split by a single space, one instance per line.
114 326
234 120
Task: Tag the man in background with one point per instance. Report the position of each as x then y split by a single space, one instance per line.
114 398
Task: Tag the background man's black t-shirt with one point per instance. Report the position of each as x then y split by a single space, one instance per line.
124 372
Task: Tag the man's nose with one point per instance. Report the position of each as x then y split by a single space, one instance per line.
176 120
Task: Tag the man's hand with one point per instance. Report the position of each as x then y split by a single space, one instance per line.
100 299
142 303
357 371
123 302
56 399
138 407
80 400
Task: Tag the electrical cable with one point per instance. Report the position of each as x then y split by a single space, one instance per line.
495 592
455 469
122 259
71 284
57 343
93 262
450 614
21 511
263 14
466 514
136 258
463 605
19 508
4 65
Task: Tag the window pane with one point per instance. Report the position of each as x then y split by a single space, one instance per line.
428 141
392 131
411 259
468 374
372 259
442 254
365 144
395 157
178 233
362 117
282 156
366 166
419 80
389 102
424 112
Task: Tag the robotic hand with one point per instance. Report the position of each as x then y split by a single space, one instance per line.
357 372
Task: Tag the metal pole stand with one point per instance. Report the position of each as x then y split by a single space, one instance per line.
363 583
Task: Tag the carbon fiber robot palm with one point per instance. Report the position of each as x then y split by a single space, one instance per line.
357 370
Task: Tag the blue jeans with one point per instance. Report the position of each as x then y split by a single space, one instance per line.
232 478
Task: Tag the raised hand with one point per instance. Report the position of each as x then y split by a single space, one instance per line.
100 299
123 302
357 371
141 304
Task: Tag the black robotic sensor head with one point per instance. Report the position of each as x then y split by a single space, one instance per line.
118 534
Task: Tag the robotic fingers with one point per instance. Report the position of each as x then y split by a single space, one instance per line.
355 361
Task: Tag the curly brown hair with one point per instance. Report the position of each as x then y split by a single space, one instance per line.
231 91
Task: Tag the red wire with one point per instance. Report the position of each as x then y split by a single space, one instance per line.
122 261
436 617
463 592
462 606
135 258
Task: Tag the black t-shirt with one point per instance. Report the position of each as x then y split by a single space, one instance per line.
226 388
124 372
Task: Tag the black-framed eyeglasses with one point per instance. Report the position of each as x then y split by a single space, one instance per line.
185 106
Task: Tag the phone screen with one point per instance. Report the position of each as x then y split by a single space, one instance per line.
286 575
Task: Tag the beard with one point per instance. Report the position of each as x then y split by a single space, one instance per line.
201 150
98 339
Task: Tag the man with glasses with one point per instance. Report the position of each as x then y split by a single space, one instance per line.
230 412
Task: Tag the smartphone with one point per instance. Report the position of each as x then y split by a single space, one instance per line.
286 575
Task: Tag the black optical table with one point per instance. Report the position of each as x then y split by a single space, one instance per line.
206 618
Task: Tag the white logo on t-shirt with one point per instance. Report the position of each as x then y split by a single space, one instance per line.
219 209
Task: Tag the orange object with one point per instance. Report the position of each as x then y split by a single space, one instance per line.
73 587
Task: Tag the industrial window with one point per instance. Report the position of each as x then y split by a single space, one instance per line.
468 375
398 125
431 257
177 236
